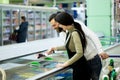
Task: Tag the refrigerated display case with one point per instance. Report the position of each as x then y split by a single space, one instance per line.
37 18
31 68
64 75
20 61
9 20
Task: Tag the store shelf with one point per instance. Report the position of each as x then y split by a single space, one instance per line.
37 18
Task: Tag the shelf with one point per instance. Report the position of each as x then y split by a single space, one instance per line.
37 18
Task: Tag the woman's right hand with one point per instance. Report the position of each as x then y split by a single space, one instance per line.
50 51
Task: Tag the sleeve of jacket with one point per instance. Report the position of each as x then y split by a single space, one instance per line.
59 48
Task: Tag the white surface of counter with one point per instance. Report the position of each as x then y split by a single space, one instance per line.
21 49
114 49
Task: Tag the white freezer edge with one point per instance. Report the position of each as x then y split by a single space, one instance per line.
21 49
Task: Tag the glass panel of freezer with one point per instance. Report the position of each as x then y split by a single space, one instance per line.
64 75
37 25
10 20
6 26
31 27
26 67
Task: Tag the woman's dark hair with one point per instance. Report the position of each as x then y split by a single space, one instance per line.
66 19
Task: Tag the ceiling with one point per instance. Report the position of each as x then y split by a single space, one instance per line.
46 1
57 1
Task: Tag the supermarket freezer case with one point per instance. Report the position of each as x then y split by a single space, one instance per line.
28 67
31 68
20 61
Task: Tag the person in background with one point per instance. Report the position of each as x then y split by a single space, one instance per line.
22 31
95 41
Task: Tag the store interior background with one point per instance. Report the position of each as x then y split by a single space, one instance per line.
101 16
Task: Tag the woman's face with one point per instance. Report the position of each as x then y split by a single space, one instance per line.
63 27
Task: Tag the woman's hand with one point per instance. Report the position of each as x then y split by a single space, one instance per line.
62 65
49 51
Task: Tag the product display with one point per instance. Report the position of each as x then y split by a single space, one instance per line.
111 68
37 18
28 60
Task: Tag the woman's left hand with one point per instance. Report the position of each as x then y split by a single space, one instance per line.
61 65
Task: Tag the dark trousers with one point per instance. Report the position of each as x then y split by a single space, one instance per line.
95 66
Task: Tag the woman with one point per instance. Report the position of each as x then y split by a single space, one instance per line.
75 44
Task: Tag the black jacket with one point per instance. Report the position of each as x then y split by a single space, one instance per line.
22 32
